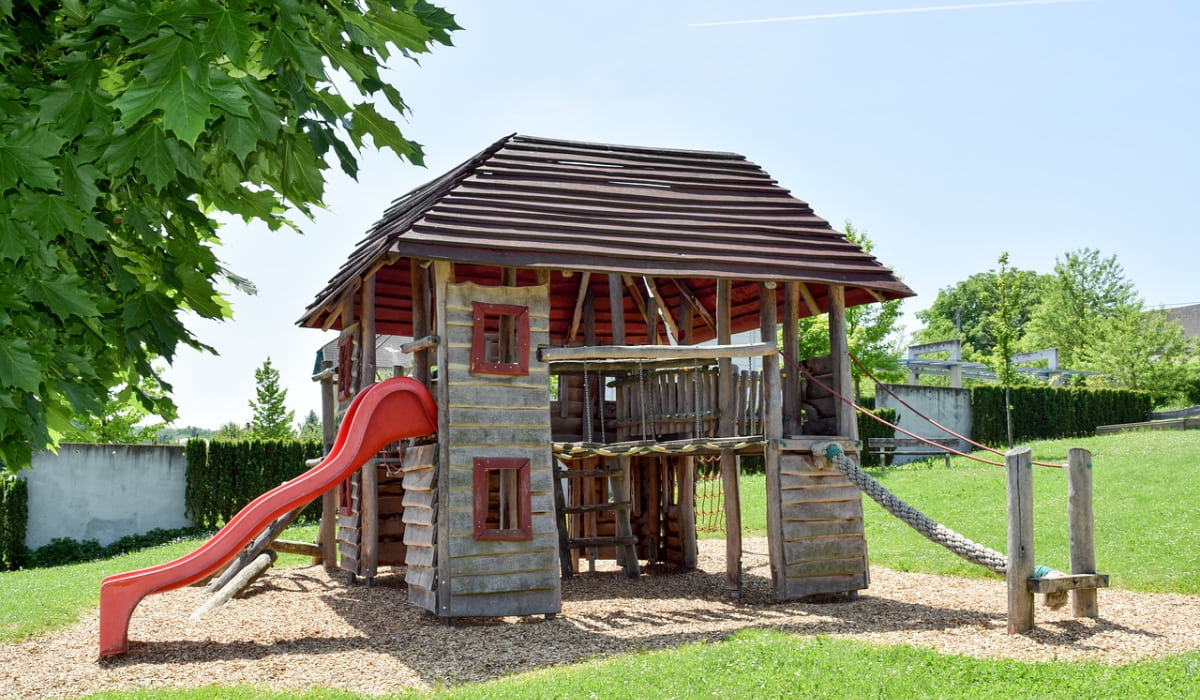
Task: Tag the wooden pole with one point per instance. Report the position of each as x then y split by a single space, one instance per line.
443 277
1081 527
252 550
327 532
419 289
772 421
245 576
368 331
687 512
1020 539
791 348
622 487
729 465
616 303
847 420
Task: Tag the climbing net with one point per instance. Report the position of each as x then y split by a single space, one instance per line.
710 495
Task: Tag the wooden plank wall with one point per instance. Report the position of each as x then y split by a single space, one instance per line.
349 530
823 545
420 525
498 416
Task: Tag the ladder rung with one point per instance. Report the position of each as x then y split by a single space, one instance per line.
600 541
596 508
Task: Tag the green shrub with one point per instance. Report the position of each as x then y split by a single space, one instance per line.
64 550
14 519
1048 413
223 476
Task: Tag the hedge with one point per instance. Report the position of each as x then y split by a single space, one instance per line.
1047 413
14 519
223 476
869 428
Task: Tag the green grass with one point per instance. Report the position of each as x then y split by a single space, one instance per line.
35 601
1145 490
770 664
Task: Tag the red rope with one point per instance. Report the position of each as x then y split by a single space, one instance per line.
935 424
893 426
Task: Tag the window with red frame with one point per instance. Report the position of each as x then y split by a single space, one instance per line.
502 502
500 339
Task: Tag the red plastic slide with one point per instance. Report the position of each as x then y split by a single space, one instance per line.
382 413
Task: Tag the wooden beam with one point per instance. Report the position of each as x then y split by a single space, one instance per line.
327 531
791 350
580 296
773 433
419 290
876 295
443 276
729 460
704 313
657 352
809 300
663 311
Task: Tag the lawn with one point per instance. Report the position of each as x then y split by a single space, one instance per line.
1145 538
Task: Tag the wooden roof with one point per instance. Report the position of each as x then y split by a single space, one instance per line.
684 217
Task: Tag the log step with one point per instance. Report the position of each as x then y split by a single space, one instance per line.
1074 582
584 473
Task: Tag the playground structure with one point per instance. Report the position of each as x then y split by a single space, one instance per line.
619 276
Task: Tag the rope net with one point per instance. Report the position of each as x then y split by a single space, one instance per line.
710 495
930 528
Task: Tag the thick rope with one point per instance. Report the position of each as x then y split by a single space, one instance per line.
931 529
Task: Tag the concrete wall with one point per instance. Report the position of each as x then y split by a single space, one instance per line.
105 492
949 406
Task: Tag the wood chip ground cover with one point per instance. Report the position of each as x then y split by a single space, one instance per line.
302 628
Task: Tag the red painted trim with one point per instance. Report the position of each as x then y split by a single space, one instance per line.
520 315
480 492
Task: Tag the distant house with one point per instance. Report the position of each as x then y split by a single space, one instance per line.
1188 317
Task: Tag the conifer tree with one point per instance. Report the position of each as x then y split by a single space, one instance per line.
272 418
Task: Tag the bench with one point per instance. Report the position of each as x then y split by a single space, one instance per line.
886 448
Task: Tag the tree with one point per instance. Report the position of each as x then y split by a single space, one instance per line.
122 420
1142 350
1084 291
964 311
311 428
231 431
272 418
871 331
1004 328
125 125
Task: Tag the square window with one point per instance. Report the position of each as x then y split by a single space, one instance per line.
500 341
502 502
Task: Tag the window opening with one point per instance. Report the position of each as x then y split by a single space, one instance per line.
502 502
500 340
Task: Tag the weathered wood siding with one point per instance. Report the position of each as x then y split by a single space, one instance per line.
420 525
349 530
822 548
498 416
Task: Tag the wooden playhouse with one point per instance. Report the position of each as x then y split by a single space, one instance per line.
572 309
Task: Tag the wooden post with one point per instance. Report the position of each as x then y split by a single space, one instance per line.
729 464
843 383
772 422
791 351
1081 528
368 331
419 289
245 576
1020 539
327 532
616 303
687 511
443 276
623 493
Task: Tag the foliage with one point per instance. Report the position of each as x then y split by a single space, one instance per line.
231 431
65 550
1084 290
869 428
1004 322
174 436
223 476
122 419
971 304
1047 412
272 419
124 127
311 428
872 331
14 519
1145 351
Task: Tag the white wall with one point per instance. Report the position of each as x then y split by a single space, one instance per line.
105 492
949 406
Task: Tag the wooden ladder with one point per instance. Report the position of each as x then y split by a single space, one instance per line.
624 539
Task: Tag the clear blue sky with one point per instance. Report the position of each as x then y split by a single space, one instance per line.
950 135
